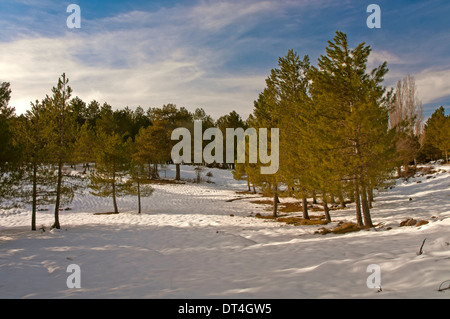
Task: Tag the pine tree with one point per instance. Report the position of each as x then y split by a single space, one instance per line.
61 128
153 146
9 148
284 104
351 119
83 146
111 163
437 131
173 118
36 168
138 183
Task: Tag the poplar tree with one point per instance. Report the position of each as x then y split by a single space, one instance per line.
406 119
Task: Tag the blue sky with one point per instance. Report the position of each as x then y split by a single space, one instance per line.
210 54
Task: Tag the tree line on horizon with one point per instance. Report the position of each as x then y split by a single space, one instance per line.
342 135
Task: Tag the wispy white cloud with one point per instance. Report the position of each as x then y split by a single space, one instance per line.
139 65
177 54
433 84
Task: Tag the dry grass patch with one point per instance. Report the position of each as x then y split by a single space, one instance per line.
341 228
421 222
298 221
258 215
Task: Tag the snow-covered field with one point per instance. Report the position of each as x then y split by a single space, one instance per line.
191 242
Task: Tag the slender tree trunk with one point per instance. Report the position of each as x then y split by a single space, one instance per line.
155 170
359 220
116 210
365 206
177 174
34 208
139 197
446 156
314 198
248 184
341 200
326 208
58 195
60 159
370 196
254 189
305 207
150 171
275 203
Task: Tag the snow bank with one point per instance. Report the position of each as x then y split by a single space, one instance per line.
186 244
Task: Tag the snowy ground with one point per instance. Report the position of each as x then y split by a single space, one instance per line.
186 244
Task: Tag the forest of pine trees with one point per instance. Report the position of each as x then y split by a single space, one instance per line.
342 135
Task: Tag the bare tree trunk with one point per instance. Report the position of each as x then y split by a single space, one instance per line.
359 220
314 198
326 208
116 210
139 197
34 205
342 200
177 174
365 206
155 170
305 207
58 196
370 196
275 203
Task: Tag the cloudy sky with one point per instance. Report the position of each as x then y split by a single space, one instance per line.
210 54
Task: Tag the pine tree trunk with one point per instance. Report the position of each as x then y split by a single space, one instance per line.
365 207
305 207
60 163
342 200
34 208
177 170
314 198
116 210
139 197
359 220
155 170
275 204
150 171
370 196
326 209
58 196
